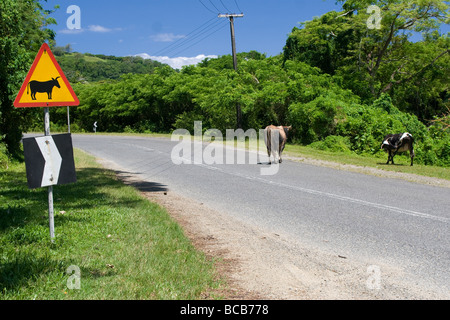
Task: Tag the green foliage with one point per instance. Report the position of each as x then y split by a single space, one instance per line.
3 151
22 32
340 85
376 61
269 91
92 68
333 143
4 159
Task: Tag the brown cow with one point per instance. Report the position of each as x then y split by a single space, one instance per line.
275 139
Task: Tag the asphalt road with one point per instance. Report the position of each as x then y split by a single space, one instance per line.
387 221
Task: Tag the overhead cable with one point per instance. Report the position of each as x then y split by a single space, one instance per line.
186 38
225 6
188 41
219 27
207 7
237 6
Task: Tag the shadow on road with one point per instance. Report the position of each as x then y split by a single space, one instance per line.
143 186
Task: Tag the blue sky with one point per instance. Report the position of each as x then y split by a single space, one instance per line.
180 32
182 28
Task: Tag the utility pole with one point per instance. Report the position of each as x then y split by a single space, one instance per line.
233 48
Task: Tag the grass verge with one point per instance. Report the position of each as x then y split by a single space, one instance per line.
124 246
378 161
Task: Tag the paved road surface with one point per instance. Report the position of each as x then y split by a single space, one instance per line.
391 222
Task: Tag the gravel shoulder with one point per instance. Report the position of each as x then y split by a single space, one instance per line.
258 265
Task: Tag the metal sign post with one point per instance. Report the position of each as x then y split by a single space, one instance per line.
68 120
46 86
51 215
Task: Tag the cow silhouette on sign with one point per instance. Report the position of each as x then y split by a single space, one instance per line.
42 87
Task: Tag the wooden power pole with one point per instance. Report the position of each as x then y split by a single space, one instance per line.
233 47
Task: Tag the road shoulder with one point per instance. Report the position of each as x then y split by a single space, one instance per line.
258 265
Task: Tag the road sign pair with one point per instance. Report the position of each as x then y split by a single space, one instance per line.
49 160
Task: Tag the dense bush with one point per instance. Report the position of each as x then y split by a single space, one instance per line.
333 143
268 91
3 151
3 156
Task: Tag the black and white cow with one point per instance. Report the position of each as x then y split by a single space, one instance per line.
395 143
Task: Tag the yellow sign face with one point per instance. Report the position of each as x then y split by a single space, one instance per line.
46 85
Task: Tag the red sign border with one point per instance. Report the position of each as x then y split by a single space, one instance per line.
17 104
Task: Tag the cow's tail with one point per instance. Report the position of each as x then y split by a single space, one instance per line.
268 140
28 88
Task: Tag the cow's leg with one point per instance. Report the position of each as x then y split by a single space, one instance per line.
281 151
395 153
389 157
268 154
275 145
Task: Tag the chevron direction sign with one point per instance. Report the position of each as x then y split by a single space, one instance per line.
49 161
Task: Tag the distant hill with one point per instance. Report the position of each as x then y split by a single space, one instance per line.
88 67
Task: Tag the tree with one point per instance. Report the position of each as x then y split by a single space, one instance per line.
22 32
388 45
376 61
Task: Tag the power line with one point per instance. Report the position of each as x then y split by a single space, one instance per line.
237 6
225 6
180 41
202 32
207 7
220 27
189 40
214 6
186 38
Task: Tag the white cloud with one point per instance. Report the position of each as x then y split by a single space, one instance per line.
166 37
71 31
91 28
97 28
178 62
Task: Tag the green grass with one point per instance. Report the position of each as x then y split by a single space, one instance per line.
125 246
378 161
86 58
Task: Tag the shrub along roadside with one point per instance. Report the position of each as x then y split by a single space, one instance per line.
125 246
268 92
4 159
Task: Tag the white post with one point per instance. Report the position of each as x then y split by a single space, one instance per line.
50 188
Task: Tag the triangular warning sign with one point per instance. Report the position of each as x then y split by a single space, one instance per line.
46 85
